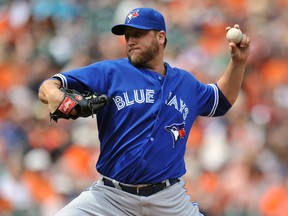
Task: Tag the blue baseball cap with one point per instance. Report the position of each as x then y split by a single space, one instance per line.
141 18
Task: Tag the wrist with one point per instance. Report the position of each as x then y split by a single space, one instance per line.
54 98
237 62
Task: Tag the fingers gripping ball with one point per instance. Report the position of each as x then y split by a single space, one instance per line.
234 35
85 104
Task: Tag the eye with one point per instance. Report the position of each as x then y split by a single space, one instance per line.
138 34
127 36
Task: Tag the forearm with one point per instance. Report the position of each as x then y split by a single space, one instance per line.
231 81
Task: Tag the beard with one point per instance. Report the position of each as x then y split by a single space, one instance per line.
141 59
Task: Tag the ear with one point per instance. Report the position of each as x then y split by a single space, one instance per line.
161 37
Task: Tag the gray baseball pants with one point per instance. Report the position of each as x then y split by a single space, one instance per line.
101 200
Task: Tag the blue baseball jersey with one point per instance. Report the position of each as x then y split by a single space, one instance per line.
144 128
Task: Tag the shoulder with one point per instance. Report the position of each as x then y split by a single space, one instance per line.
123 62
180 73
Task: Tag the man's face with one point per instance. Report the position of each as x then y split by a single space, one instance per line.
141 46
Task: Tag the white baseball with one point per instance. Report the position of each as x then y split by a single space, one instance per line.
234 35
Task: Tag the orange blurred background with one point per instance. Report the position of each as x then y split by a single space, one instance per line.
237 165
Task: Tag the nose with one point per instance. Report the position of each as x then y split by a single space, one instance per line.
130 41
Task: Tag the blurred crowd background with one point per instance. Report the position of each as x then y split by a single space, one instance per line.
237 165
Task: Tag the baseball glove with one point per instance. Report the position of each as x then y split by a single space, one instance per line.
86 104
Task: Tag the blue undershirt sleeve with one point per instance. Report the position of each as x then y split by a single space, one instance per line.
223 105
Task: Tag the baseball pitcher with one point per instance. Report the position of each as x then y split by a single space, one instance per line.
144 109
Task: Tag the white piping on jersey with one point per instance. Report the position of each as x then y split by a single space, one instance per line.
63 79
216 101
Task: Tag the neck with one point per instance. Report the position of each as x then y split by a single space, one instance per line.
161 69
157 65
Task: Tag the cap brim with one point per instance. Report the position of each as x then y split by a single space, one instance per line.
120 29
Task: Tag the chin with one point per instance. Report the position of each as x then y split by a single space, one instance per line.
134 60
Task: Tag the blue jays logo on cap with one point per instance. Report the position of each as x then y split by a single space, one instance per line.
177 131
141 18
132 15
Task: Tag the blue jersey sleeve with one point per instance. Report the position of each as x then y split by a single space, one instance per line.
92 78
211 97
